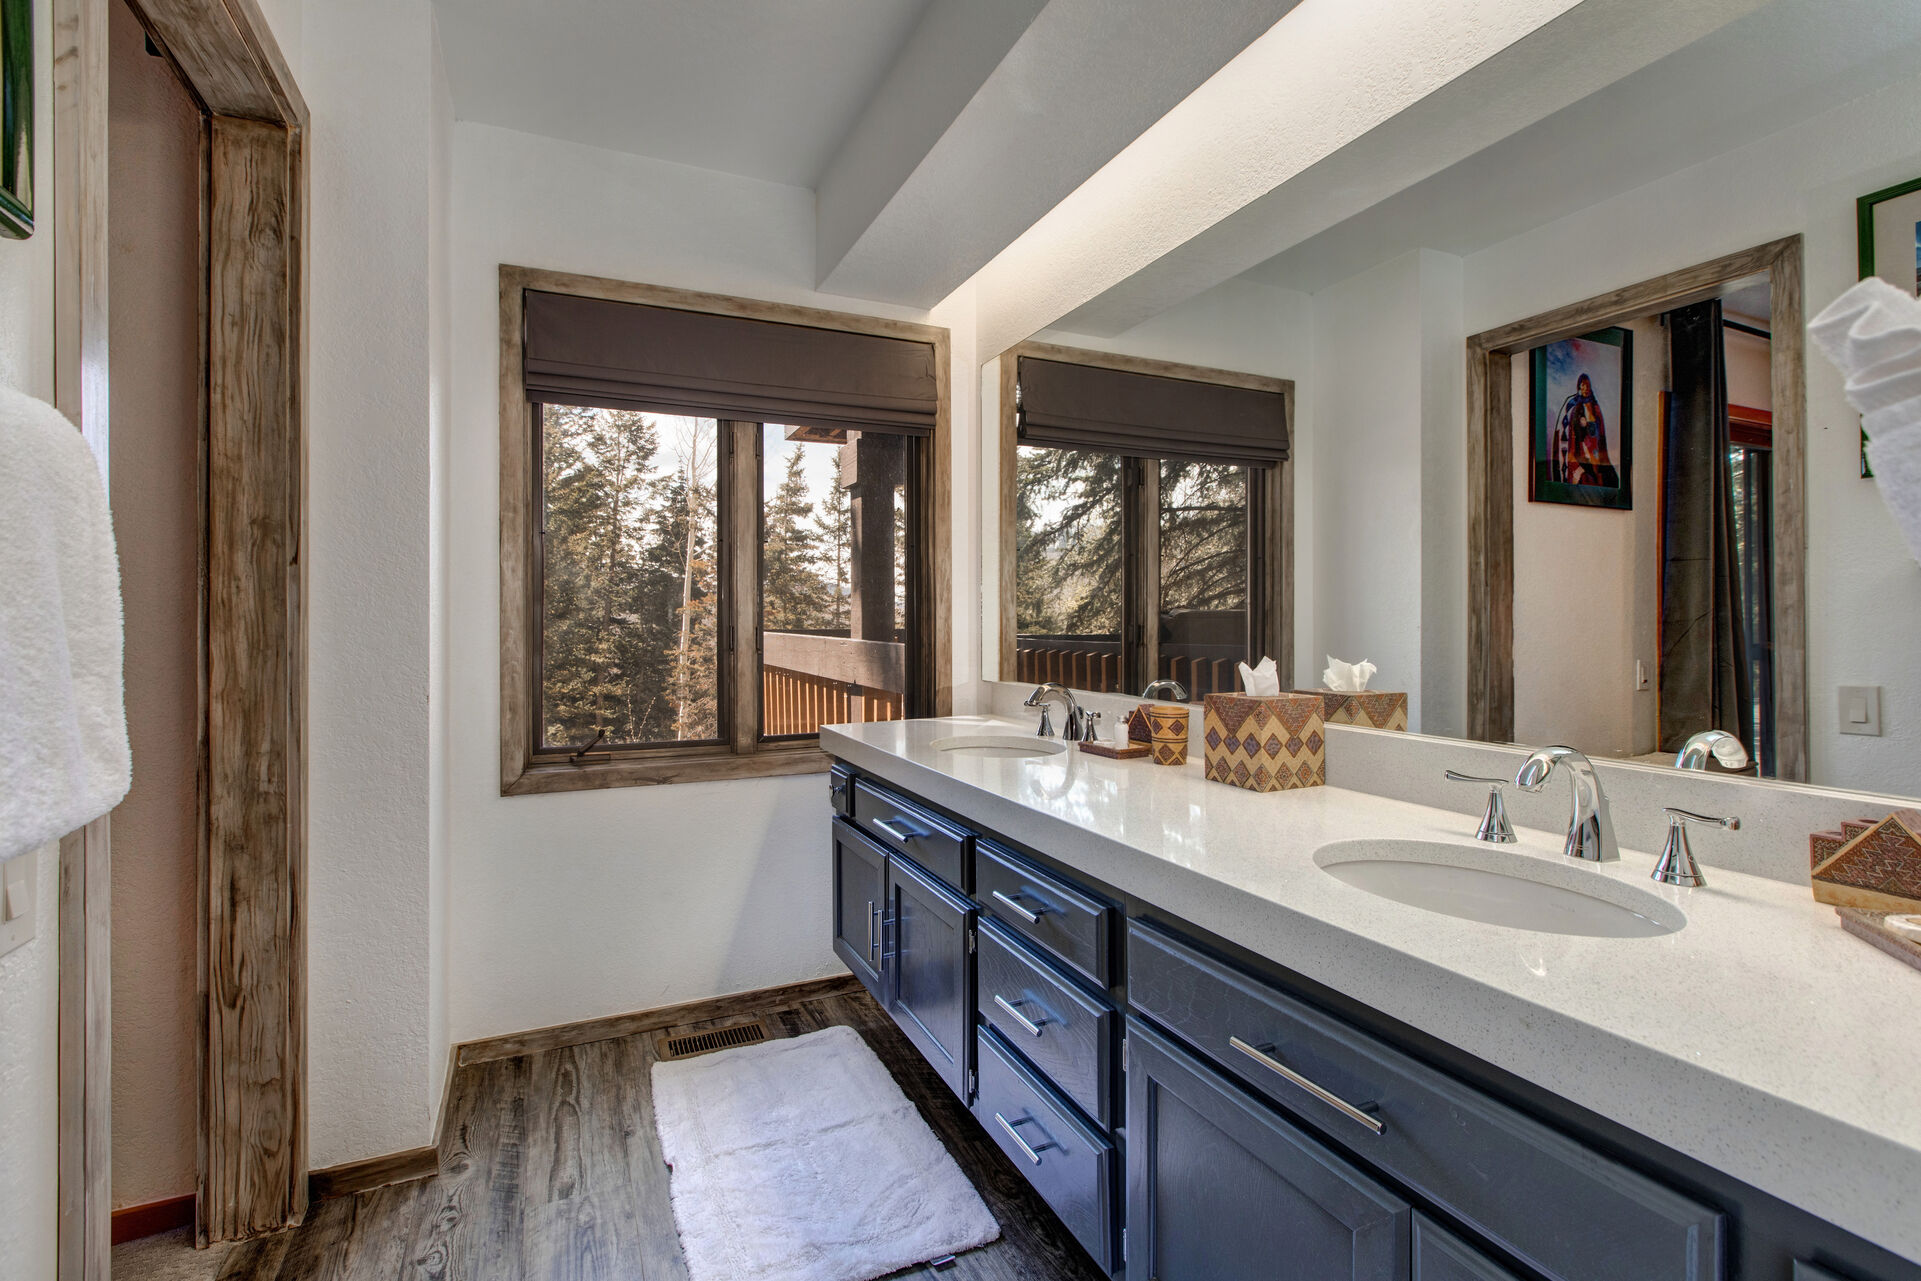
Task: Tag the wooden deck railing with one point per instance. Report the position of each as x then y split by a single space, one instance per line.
801 702
1094 663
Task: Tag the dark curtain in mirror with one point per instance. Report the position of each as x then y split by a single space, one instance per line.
1716 607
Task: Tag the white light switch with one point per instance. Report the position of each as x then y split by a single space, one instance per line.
1861 710
17 914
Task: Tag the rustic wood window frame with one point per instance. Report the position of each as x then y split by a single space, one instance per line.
1270 522
1490 475
745 754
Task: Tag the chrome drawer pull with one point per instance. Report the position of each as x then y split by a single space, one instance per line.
1363 1114
1032 918
1027 1025
1032 1153
899 830
873 910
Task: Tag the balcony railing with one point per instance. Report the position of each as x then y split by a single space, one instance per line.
1094 663
811 679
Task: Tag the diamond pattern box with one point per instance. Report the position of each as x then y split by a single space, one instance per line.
1268 744
1369 709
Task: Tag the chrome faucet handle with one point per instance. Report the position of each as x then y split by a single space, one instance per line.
1047 723
1090 726
1677 865
1494 825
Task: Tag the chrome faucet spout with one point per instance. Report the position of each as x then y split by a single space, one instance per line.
1725 747
1075 721
1166 689
1590 829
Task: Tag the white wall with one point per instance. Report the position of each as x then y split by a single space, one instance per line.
1864 590
571 906
1587 587
29 975
440 177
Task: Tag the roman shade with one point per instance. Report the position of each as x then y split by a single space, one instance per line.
622 355
1070 406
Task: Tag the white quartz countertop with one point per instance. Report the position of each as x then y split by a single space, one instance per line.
1760 1038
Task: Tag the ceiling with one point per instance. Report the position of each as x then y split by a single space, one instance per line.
764 90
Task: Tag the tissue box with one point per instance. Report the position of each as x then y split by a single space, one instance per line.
1267 744
1370 709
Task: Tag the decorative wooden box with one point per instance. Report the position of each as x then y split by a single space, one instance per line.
1878 869
1266 744
1370 709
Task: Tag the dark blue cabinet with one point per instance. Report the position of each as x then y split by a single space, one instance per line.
929 978
1219 1185
860 896
1439 1255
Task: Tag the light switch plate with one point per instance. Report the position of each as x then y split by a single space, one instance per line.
18 893
1861 710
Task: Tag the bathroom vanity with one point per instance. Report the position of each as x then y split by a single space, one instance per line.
1211 1052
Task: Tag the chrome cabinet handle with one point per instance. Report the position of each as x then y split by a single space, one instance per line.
1335 1101
1032 918
1027 1025
1032 1153
873 942
898 829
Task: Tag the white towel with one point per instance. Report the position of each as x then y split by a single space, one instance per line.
63 723
1872 333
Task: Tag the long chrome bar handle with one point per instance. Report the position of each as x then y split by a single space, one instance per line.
1030 1151
899 830
1032 918
1333 1100
1028 1025
1494 823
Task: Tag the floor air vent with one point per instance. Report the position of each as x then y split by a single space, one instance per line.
720 1038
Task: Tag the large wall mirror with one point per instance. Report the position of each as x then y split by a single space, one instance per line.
1556 458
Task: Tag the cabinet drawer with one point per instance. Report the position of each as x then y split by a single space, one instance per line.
928 839
1070 1165
1439 1255
1568 1211
1046 910
1066 1033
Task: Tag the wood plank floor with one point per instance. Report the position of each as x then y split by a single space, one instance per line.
550 1168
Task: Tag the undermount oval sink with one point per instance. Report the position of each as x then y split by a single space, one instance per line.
1499 887
1008 745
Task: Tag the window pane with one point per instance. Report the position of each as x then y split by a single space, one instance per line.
1204 574
833 578
629 575
1067 587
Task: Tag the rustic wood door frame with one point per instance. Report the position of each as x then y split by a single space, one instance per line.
252 1159
1490 472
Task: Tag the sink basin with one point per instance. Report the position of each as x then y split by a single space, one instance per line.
1500 887
1008 745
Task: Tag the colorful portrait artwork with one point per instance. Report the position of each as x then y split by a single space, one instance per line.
1581 447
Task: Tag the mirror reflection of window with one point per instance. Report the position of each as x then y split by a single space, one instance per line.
1069 548
1204 571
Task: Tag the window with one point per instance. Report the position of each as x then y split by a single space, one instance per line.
691 594
1114 524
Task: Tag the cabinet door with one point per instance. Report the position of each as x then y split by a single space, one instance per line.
860 896
1219 1185
929 987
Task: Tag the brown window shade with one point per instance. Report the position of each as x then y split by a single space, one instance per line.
1071 406
621 355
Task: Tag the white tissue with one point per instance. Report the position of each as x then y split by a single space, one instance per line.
1261 680
1872 333
1347 678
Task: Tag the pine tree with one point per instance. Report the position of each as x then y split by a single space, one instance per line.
1068 542
795 593
1203 536
834 535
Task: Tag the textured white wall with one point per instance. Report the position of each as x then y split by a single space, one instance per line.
1864 590
576 905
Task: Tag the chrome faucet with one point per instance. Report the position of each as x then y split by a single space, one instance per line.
1171 689
1076 725
1727 749
1590 832
1677 865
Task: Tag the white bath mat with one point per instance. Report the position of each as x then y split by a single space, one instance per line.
801 1160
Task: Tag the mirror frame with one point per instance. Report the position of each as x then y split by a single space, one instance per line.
1270 507
1490 471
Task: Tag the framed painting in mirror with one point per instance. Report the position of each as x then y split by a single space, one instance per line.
1581 437
1887 228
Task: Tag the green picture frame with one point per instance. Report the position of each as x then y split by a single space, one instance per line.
1867 234
16 118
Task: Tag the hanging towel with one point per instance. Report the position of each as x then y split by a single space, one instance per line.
63 724
1872 333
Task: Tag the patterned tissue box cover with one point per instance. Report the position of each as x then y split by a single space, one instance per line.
1370 709
1267 744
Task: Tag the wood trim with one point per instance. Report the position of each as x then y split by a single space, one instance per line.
521 773
559 1036
227 57
1140 575
253 1172
1274 598
739 475
373 1172
138 1222
80 377
1490 416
